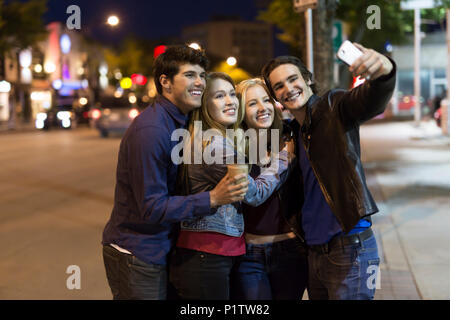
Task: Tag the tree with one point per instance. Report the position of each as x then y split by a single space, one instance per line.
134 56
21 24
21 27
395 25
281 13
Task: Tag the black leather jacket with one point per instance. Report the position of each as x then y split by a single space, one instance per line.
330 135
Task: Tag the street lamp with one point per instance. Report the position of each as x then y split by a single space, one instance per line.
231 61
195 46
113 21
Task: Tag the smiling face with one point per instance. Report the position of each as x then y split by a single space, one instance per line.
259 109
186 88
289 87
222 102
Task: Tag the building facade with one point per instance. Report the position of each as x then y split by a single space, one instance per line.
251 43
433 80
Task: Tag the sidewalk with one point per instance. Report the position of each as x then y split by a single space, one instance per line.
19 126
408 172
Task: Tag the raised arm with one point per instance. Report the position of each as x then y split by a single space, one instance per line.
370 99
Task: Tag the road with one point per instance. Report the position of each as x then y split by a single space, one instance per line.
56 194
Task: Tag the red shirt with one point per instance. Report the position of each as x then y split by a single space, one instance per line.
212 242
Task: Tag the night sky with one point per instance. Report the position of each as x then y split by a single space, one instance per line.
150 19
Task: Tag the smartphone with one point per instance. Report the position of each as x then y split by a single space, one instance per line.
348 52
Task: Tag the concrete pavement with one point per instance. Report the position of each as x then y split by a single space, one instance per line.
408 171
57 187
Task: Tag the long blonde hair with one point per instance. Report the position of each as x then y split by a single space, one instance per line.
241 91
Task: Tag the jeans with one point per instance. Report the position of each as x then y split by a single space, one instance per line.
344 272
132 279
277 271
200 275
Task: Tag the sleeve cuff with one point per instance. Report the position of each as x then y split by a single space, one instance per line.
203 204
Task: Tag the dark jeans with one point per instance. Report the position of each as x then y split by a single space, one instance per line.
277 271
131 278
344 272
200 275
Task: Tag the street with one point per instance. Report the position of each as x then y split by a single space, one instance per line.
56 194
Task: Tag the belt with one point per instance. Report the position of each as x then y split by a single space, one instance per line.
342 241
259 239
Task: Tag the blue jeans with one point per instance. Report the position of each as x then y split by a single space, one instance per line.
132 279
344 272
277 271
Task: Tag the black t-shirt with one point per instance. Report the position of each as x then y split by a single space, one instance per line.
266 219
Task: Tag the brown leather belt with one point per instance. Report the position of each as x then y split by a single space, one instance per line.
341 241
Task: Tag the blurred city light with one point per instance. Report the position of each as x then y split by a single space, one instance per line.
65 43
61 115
126 83
231 61
103 69
132 99
358 81
96 114
113 21
38 68
5 86
195 46
83 101
133 113
26 75
49 67
118 93
57 84
25 58
117 74
138 79
158 50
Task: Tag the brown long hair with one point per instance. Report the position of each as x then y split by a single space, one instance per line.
202 113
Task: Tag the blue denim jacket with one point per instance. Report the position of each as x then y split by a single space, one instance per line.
228 218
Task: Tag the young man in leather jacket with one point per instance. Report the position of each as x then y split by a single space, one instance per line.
335 218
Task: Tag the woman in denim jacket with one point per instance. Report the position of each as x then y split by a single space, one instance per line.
207 247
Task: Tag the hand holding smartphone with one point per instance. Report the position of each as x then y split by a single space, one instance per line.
348 52
363 62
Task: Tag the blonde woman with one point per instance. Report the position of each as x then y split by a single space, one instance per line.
207 248
275 264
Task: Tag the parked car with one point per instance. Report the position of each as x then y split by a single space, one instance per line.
113 115
61 116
